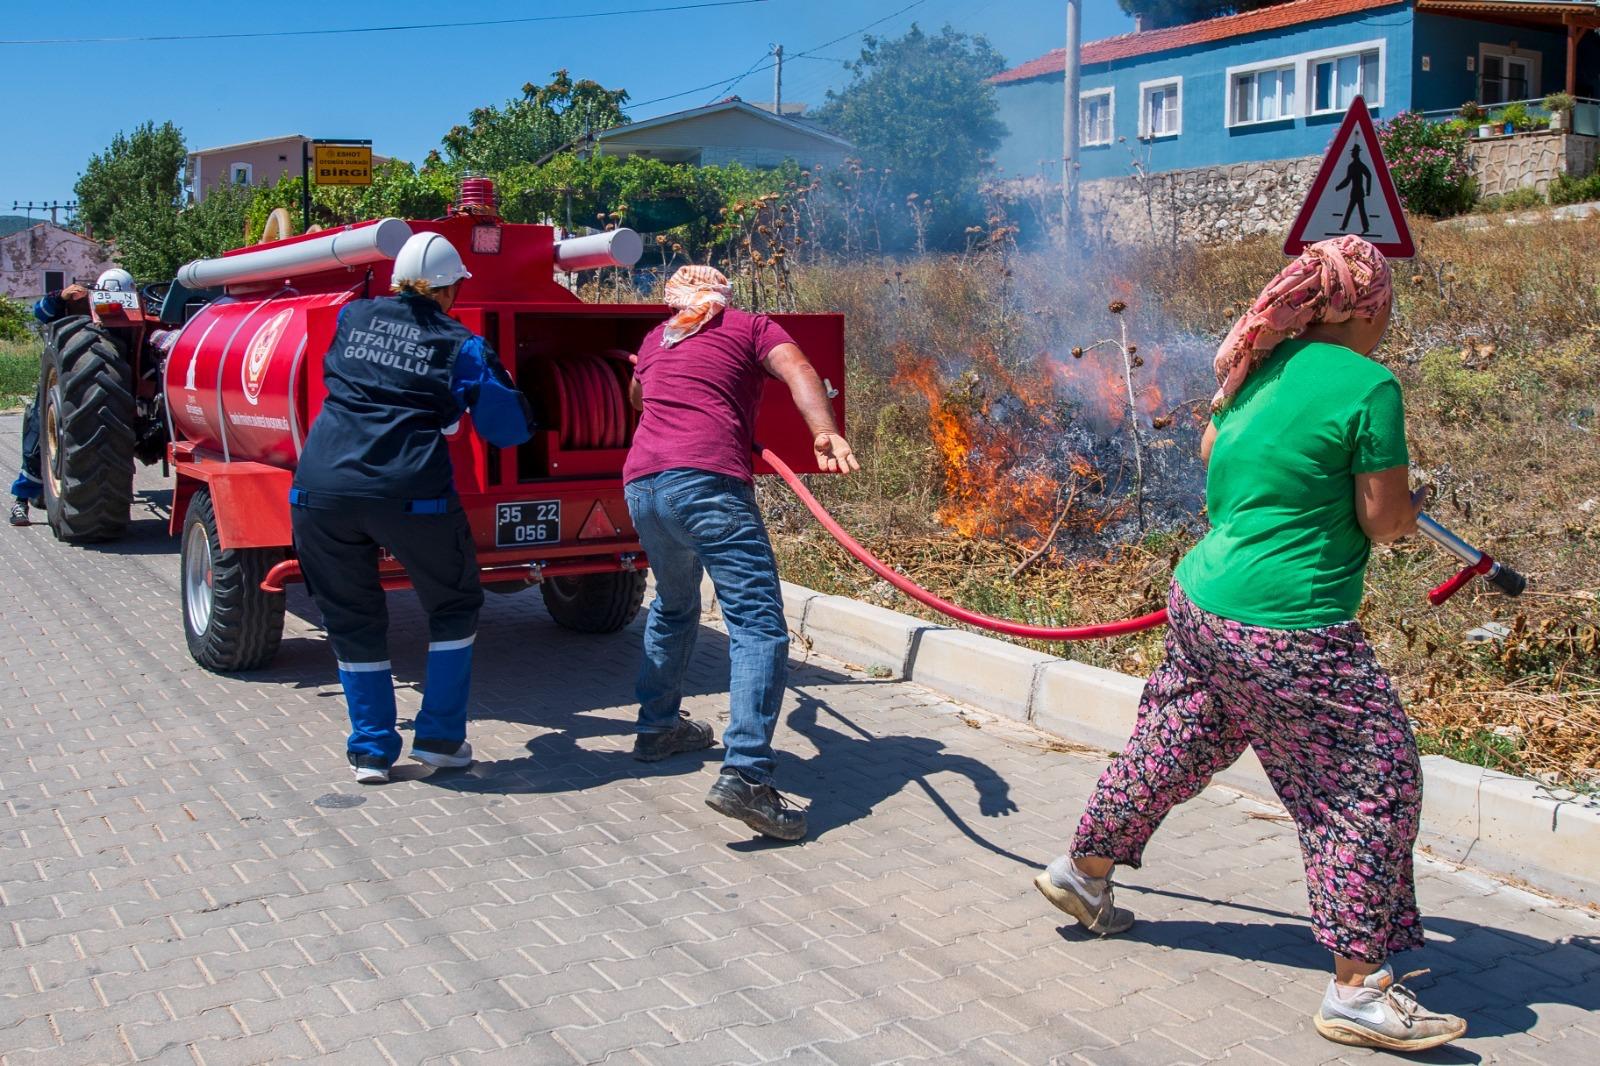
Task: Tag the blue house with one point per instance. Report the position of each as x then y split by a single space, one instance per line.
1273 83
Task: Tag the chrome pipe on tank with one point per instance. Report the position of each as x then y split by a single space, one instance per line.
357 246
617 247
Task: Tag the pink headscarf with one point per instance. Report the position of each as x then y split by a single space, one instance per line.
1332 281
698 294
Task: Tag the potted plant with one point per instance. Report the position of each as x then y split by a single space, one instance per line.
1473 114
1560 106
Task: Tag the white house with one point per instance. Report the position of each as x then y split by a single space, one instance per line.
45 257
732 131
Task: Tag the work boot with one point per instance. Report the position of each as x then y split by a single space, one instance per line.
1088 899
369 771
442 754
1384 1013
687 735
761 807
19 512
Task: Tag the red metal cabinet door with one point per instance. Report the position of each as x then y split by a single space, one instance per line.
778 424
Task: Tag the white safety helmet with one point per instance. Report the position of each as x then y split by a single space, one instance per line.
428 257
115 280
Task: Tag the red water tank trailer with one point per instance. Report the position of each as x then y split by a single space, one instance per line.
243 383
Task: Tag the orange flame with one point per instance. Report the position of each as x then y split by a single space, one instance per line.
985 429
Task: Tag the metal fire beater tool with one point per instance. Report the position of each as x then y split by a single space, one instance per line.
1478 563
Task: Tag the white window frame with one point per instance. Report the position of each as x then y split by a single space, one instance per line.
1145 87
1522 55
249 173
1291 64
1309 61
1110 95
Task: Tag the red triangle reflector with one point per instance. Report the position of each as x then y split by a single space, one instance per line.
598 526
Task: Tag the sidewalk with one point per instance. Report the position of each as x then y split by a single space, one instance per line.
190 875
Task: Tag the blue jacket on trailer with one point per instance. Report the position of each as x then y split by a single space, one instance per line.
400 373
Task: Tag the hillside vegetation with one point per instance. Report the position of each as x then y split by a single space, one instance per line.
1496 340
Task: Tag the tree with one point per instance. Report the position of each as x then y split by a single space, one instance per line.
135 173
1161 13
921 109
542 121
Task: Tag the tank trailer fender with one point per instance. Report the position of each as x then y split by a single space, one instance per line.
251 501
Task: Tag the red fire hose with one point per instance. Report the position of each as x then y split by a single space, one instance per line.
943 606
1479 563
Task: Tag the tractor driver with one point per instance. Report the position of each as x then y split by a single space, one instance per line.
52 307
375 473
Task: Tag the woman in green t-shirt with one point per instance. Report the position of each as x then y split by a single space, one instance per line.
1307 466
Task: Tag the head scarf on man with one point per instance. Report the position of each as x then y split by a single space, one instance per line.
699 294
1332 281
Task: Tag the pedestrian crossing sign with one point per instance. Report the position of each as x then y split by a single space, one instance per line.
1353 193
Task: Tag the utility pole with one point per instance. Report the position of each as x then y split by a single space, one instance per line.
1069 125
52 206
777 81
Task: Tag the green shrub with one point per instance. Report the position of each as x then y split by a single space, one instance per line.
1456 393
15 317
1429 163
1515 200
19 372
1570 190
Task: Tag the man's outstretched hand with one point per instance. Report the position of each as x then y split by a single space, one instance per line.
834 454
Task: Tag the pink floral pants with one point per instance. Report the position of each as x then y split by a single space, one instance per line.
1326 722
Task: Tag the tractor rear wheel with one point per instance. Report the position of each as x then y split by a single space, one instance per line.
596 603
229 623
87 432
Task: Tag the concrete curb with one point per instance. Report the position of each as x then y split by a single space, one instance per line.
1493 821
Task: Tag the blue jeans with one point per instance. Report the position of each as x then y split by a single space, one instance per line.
689 520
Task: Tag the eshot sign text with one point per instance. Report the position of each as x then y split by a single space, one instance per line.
342 164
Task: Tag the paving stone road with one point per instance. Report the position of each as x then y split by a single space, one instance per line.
190 875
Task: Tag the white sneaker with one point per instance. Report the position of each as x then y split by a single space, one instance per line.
1385 1014
1088 899
371 774
442 760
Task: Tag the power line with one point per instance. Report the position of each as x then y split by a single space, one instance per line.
383 29
864 29
729 87
807 54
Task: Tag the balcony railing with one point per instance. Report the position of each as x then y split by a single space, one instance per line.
1585 116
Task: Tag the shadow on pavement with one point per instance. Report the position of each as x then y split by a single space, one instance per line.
1495 978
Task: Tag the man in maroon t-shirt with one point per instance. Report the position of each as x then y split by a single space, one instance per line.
690 490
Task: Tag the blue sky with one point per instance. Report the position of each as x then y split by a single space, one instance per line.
405 89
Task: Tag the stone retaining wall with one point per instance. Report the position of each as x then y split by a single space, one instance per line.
1206 204
1212 204
1530 160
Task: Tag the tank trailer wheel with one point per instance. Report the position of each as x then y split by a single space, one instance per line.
229 623
597 603
87 432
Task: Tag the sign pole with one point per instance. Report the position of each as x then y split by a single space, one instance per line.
305 186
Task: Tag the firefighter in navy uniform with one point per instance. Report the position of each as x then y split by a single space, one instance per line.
28 488
375 473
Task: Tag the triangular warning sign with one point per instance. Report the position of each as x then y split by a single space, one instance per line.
1353 193
598 526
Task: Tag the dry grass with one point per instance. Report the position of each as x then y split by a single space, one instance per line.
1497 342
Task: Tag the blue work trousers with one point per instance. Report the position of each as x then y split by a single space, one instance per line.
691 521
338 549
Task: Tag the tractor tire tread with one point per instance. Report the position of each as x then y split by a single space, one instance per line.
95 432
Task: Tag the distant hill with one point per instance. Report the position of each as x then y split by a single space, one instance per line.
10 224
